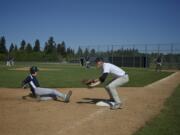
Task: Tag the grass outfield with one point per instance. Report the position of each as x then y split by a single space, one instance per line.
70 75
168 121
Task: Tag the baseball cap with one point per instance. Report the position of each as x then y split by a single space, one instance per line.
98 59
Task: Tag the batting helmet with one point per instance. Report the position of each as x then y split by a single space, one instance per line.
33 69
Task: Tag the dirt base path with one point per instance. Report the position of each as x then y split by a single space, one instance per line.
81 115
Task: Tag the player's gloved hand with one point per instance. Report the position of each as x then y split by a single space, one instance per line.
87 81
91 82
94 83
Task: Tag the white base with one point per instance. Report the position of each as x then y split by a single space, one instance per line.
105 103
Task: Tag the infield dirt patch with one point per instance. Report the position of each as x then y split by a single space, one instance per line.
81 115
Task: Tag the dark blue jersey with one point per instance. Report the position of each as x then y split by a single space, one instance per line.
33 83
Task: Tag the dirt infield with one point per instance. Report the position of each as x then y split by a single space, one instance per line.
81 115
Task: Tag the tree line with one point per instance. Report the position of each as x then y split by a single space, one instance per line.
52 51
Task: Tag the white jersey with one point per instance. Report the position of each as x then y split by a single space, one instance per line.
113 69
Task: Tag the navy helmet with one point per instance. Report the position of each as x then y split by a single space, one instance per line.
33 69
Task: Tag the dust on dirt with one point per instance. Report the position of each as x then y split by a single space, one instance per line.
81 115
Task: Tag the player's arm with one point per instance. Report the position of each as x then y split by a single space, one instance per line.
24 83
99 80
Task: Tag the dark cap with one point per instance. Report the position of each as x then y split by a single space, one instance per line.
98 59
33 69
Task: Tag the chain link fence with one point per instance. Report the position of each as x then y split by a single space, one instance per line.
135 55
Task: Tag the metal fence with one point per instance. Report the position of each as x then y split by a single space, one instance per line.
136 55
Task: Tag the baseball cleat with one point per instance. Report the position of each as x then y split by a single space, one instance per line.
68 95
116 106
111 100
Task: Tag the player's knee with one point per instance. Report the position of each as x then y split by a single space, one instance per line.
110 87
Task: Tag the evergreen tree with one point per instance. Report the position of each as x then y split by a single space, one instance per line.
23 45
3 48
46 47
92 52
61 49
36 46
80 52
50 46
69 52
86 52
28 48
15 48
11 48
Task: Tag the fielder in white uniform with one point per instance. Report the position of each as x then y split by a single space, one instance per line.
120 77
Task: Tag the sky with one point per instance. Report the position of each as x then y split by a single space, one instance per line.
90 22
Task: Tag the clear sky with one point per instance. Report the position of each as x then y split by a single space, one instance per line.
90 22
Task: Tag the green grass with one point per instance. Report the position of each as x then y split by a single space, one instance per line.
70 75
168 121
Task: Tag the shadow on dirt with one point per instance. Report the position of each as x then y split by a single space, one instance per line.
92 100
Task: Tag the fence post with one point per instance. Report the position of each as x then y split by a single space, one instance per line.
122 62
112 55
146 56
158 49
133 55
172 49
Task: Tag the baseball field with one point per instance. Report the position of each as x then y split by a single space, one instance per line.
144 97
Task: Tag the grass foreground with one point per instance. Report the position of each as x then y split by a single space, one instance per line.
168 121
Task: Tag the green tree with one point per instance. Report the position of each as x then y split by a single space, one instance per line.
92 52
3 48
86 52
61 49
11 48
79 52
15 48
36 46
50 46
23 45
69 52
28 48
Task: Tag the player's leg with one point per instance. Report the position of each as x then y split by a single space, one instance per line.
109 93
53 93
47 91
113 92
113 86
43 94
65 97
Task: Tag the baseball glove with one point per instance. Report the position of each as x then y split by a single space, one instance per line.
88 81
